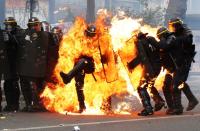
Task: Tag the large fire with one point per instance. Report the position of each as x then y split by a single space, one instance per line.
116 41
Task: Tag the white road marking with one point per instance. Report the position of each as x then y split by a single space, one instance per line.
101 122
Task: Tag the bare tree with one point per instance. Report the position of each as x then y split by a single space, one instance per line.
176 8
90 16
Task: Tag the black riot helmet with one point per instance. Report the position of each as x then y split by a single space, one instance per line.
175 24
90 31
34 23
175 21
46 26
162 32
10 23
56 30
141 35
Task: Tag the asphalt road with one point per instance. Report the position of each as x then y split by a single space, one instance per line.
55 122
189 121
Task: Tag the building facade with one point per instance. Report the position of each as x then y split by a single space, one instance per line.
193 7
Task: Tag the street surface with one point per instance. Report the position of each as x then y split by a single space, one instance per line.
189 121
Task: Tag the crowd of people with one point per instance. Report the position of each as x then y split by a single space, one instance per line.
24 56
28 58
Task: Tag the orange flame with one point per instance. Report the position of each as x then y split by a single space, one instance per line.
116 43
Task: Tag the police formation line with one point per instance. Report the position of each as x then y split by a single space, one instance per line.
24 56
23 61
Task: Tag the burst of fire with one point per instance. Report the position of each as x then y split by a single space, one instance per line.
116 41
160 79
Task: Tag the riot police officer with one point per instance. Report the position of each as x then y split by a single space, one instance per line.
32 63
11 86
184 59
45 26
53 53
83 65
148 56
57 34
168 48
5 72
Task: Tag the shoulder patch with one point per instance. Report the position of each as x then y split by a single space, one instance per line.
34 36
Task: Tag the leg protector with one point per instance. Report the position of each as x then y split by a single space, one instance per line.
159 102
168 90
192 99
8 92
79 78
178 108
12 95
144 96
78 67
26 91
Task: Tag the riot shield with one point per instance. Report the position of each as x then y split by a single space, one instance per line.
126 54
108 61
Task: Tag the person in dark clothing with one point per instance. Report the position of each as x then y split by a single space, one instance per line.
32 64
45 26
57 34
53 53
168 49
184 60
5 72
83 65
11 86
148 56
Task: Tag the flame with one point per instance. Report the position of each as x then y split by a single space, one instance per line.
159 82
117 42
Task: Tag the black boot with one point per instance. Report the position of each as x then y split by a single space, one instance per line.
12 96
159 102
26 91
168 91
178 108
40 88
36 105
65 77
191 98
82 106
144 96
78 67
79 78
81 100
8 95
16 94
